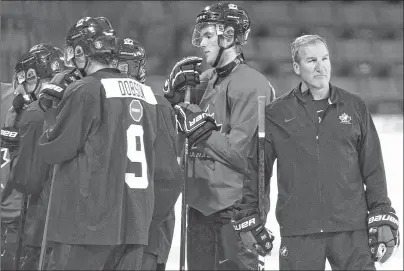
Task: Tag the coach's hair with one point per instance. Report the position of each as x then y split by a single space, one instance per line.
302 41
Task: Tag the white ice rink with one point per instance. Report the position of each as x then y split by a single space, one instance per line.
391 136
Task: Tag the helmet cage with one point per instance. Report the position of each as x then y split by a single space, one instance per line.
230 21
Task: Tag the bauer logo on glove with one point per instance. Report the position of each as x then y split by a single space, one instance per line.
384 236
10 137
196 124
253 234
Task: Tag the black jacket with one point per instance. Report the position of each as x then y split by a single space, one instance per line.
330 174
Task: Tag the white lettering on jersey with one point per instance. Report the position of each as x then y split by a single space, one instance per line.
128 88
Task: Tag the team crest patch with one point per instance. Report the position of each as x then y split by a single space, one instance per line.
345 119
55 66
136 110
98 44
284 251
128 41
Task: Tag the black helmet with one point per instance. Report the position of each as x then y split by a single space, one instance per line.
88 37
130 58
42 61
229 19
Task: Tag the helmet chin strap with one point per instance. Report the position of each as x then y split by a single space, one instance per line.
221 50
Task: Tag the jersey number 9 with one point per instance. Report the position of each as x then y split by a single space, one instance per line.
136 170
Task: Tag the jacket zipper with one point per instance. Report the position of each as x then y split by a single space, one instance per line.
320 120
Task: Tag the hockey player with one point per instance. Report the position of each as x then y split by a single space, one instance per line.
222 192
30 173
168 179
327 151
102 146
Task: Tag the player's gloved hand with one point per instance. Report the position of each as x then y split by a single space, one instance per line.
185 73
10 138
196 124
253 233
384 235
19 103
52 92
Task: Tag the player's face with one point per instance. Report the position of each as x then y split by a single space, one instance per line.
209 43
314 66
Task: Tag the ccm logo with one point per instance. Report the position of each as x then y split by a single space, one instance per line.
245 224
381 218
8 133
198 118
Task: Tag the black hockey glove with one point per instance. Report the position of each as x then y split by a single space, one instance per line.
19 103
253 233
185 73
10 138
384 235
53 92
196 124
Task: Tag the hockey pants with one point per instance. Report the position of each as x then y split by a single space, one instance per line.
214 245
346 250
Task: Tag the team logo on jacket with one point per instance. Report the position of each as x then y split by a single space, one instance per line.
345 119
284 251
136 110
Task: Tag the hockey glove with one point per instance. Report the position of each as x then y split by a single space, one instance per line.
185 73
10 138
19 103
384 235
196 124
253 233
53 92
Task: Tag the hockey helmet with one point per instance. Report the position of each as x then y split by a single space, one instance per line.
130 58
229 19
42 61
89 36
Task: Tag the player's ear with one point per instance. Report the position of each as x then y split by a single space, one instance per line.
296 68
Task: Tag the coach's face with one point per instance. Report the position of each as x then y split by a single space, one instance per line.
313 65
209 44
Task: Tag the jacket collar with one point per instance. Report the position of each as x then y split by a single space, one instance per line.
336 95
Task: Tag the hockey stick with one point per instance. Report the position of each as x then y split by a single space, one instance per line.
184 207
23 216
261 166
45 231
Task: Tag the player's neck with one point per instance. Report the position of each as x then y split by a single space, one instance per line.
227 57
94 66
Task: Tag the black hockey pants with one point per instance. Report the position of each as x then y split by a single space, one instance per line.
214 245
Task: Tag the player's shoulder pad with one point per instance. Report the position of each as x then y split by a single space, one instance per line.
128 88
246 79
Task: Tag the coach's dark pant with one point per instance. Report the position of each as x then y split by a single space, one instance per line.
214 245
92 257
344 251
